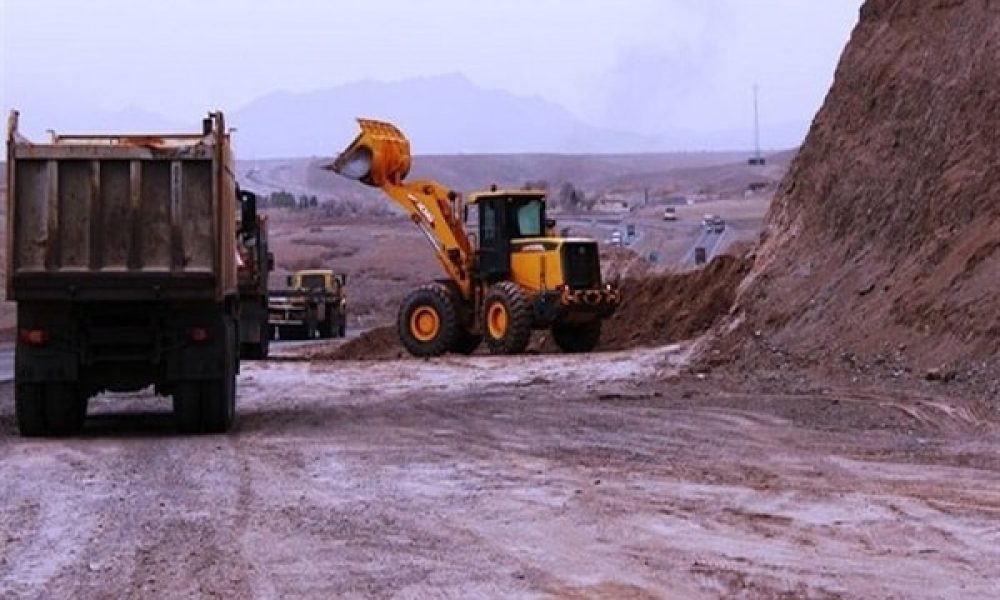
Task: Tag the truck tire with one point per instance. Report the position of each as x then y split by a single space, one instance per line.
466 343
577 337
29 409
210 406
187 406
65 409
218 399
428 321
265 342
42 409
257 350
507 319
327 328
219 396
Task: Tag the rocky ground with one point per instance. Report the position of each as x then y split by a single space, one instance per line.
617 475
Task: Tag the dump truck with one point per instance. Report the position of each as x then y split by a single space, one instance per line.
122 259
507 273
255 262
315 304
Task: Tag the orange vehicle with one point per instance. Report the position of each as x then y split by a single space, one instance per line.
507 273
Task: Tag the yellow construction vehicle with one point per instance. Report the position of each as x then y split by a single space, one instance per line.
507 274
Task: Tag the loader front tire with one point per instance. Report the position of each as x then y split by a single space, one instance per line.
507 319
428 321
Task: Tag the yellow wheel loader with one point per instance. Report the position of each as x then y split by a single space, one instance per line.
507 272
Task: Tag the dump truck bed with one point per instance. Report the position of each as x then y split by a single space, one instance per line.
123 217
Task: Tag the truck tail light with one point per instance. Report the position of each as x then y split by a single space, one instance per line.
200 335
34 337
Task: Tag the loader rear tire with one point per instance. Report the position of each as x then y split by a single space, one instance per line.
507 319
576 338
428 321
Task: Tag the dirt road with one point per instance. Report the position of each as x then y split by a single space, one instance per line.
532 476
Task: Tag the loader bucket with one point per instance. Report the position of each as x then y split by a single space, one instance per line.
380 155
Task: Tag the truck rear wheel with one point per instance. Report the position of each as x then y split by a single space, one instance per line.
49 409
428 321
507 319
29 409
209 406
258 350
187 406
65 408
577 337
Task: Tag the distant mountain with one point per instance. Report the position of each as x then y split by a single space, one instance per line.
449 114
445 114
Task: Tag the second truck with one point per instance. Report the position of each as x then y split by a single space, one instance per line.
315 304
507 274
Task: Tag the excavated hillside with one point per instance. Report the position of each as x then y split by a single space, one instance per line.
882 244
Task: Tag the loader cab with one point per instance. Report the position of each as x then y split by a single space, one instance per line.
499 217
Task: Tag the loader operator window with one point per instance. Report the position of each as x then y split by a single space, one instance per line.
489 216
529 219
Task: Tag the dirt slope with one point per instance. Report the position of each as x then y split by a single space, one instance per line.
882 241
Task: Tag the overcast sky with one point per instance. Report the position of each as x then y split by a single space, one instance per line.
632 65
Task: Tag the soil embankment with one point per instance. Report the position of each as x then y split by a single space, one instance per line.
881 245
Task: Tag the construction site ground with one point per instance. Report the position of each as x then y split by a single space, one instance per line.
616 475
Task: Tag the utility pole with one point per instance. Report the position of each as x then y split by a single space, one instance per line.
757 159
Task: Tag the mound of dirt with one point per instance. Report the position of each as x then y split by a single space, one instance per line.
655 310
674 307
882 242
669 308
381 343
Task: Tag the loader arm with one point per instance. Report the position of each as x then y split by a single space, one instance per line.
380 157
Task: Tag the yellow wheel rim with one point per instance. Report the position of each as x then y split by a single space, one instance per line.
425 323
496 320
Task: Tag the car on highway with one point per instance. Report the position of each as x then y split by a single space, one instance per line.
670 213
616 238
713 224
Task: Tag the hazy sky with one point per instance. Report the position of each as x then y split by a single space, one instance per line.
634 65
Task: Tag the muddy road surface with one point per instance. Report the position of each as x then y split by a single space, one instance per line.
539 476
